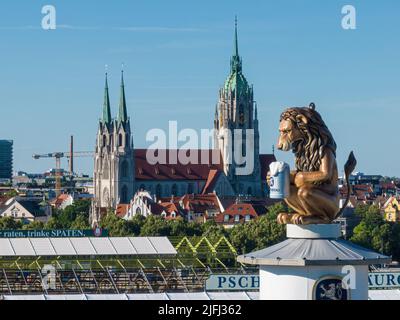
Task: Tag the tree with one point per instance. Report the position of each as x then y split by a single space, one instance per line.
11 194
67 216
155 226
375 233
53 223
259 233
80 223
8 223
35 225
213 231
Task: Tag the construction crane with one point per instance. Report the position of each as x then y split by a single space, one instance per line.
58 156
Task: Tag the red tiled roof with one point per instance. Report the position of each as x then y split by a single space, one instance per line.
200 203
59 200
169 208
197 171
388 185
242 210
212 179
122 210
178 171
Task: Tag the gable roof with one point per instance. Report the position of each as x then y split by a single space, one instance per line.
212 179
170 170
200 203
175 171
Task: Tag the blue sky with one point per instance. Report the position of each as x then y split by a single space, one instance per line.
176 56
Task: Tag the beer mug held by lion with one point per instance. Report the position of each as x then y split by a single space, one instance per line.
279 180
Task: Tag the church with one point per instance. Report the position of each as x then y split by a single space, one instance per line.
120 170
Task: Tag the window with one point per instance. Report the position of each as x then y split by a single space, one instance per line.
120 140
247 218
104 140
105 170
237 218
124 194
158 191
190 188
226 218
124 169
173 215
138 211
249 191
174 190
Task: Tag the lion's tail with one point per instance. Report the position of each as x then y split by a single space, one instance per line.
348 170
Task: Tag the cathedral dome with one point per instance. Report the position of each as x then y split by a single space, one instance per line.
236 82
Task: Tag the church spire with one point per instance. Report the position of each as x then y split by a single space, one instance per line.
236 45
122 113
236 62
106 106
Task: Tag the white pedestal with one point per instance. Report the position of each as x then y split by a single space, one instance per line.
314 264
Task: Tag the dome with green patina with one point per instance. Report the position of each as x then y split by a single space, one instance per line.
236 81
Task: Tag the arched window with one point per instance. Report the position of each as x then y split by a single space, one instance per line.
138 211
174 190
106 197
124 169
104 140
124 195
120 140
158 191
106 169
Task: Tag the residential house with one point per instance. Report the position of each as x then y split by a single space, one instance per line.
391 210
26 210
239 213
62 201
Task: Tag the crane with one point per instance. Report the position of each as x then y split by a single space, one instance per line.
58 156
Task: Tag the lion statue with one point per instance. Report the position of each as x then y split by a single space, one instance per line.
314 194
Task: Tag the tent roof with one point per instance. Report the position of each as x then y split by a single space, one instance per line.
302 252
86 246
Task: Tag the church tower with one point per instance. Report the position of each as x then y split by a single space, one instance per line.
114 168
236 129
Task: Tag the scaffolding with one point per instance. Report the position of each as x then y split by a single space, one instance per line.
151 271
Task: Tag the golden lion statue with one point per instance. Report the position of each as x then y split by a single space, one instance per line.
314 194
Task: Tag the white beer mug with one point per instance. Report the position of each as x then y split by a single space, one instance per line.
279 184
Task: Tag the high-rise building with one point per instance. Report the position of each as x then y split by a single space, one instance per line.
6 159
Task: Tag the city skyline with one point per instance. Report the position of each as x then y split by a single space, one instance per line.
171 73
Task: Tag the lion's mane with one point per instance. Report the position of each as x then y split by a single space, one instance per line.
317 138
